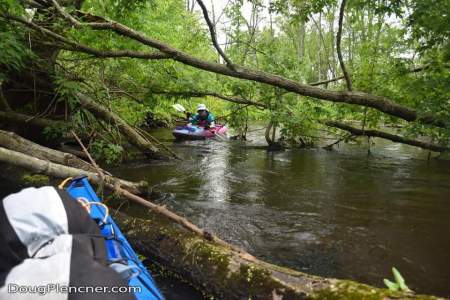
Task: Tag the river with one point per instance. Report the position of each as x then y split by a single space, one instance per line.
335 213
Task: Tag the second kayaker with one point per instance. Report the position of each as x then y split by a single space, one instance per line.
203 117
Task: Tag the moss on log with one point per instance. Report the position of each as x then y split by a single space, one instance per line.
225 274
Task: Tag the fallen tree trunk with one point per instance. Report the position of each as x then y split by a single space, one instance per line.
21 119
225 274
12 141
387 136
60 171
132 135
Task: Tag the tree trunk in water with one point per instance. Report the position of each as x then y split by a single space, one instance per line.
225 274
267 133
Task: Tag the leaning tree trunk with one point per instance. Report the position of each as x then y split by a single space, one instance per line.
132 135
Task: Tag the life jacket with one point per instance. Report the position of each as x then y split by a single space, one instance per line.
204 121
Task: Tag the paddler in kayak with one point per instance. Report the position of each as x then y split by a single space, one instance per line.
203 118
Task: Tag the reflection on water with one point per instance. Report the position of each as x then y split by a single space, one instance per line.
212 170
336 214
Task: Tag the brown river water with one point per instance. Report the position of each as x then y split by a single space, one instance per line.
329 213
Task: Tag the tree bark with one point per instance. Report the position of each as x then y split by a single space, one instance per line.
132 135
387 136
17 143
225 274
4 105
60 171
338 46
27 120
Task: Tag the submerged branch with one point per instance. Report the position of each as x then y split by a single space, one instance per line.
225 274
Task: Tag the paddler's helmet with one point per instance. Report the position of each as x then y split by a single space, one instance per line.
201 107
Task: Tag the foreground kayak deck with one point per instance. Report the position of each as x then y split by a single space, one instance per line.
117 246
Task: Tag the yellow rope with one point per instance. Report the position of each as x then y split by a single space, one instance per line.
63 183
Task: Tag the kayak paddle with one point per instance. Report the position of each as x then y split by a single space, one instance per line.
179 108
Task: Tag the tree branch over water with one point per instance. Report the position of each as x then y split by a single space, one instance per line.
379 103
388 136
233 99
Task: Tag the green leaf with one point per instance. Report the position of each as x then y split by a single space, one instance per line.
400 280
391 285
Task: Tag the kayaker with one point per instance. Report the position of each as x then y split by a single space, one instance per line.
203 117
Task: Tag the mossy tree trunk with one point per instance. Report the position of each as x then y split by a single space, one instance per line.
225 274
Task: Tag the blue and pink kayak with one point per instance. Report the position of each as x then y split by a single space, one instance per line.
193 132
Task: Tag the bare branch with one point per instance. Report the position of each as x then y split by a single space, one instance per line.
71 45
338 46
212 31
65 14
326 81
324 45
233 99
